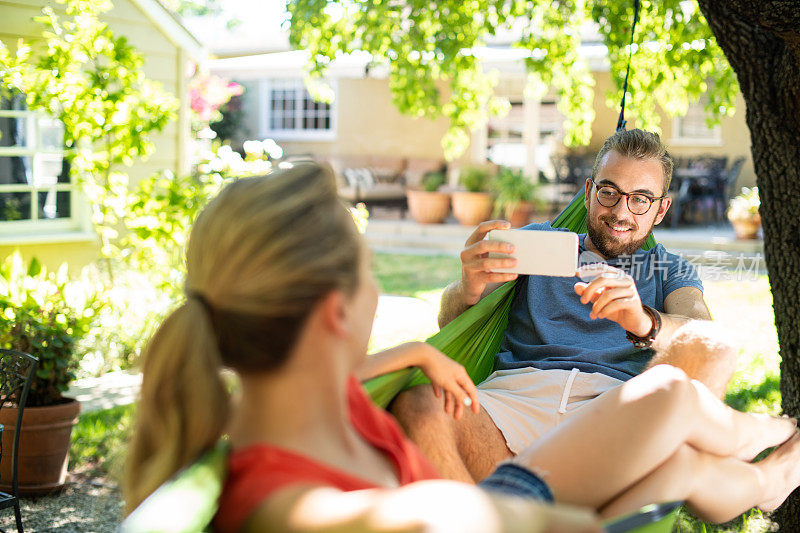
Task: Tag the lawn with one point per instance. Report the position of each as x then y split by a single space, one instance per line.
743 307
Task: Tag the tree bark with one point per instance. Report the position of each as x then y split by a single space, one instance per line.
761 39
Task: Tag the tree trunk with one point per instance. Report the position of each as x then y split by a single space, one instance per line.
761 39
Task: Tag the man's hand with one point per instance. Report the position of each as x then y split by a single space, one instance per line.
476 266
614 296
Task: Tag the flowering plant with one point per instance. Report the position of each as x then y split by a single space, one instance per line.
745 205
208 93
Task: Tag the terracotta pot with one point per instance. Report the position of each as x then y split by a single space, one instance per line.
747 228
472 208
520 213
428 207
43 446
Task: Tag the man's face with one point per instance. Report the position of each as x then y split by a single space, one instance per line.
615 231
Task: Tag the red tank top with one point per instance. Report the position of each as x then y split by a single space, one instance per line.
259 470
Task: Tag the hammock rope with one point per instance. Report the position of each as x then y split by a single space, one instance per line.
621 122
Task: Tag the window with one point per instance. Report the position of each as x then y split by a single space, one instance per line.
291 113
36 192
692 127
505 144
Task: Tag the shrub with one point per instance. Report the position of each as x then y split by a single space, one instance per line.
45 314
433 180
512 187
475 179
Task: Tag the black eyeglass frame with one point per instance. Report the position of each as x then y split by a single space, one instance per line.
627 196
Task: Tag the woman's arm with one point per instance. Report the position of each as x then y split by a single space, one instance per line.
401 356
447 377
423 506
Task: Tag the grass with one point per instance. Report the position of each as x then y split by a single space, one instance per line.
99 441
743 307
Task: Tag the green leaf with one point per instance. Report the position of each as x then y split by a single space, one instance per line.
34 268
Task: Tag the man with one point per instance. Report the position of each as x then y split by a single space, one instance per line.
567 342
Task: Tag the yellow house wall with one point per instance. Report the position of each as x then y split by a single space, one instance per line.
164 62
369 123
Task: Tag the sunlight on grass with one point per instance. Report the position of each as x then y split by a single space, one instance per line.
744 308
99 441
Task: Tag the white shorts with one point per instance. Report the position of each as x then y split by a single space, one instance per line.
525 403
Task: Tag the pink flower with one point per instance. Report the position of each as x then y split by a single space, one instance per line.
208 93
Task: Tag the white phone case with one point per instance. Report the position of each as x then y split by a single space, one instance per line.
542 253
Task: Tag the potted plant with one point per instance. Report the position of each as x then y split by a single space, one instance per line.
743 213
515 197
429 205
44 315
474 205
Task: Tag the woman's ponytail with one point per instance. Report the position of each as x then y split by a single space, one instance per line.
183 405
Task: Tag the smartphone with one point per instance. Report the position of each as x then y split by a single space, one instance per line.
540 253
652 517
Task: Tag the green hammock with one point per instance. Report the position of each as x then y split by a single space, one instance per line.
474 337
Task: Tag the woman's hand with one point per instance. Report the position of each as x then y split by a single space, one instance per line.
449 379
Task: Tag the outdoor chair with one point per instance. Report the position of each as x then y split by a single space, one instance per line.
694 189
571 173
16 374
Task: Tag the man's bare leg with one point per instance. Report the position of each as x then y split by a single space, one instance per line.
700 349
627 432
716 489
467 449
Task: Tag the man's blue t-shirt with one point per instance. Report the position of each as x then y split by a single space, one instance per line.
549 327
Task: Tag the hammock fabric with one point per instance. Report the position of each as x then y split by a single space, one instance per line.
474 337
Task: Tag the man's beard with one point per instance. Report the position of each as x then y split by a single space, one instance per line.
607 245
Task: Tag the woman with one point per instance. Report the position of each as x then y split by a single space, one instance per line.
279 289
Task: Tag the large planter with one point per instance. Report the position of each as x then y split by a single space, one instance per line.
747 228
43 446
519 214
428 207
472 208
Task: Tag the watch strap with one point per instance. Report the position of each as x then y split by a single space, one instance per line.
647 340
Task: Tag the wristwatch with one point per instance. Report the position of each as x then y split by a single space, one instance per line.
647 340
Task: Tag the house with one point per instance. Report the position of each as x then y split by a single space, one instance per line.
54 223
361 120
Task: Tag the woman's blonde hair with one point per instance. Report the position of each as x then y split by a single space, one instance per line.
259 256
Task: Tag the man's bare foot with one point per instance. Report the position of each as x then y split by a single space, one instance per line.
782 471
770 431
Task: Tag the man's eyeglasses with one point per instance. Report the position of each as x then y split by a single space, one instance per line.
609 196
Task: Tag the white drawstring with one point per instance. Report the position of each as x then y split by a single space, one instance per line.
567 389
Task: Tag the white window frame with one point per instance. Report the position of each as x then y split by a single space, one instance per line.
265 117
714 139
73 228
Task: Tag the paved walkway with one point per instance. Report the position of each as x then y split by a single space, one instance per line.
106 391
